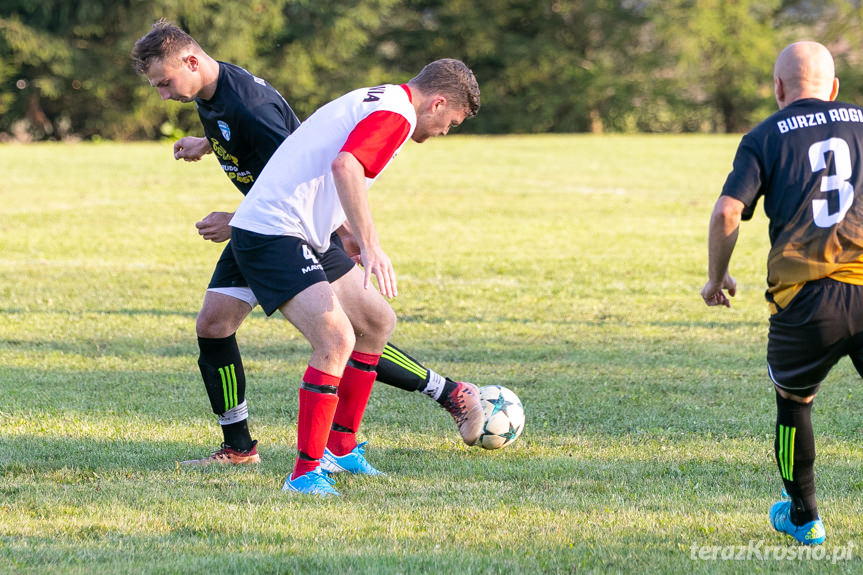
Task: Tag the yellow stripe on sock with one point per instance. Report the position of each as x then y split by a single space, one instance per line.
403 361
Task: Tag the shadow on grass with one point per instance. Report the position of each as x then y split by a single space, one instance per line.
154 312
503 349
599 464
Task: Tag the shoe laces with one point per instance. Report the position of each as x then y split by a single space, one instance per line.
223 450
323 475
455 404
227 449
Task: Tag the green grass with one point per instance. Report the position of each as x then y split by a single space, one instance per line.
564 267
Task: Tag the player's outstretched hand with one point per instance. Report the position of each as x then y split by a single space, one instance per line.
376 262
215 226
713 294
191 148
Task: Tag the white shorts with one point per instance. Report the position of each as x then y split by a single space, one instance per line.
241 293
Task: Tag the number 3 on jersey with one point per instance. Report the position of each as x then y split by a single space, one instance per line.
831 183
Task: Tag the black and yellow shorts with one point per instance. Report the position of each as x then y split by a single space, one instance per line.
823 323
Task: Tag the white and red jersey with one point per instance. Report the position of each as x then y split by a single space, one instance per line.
295 194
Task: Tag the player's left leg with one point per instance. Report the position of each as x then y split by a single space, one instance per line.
459 398
221 367
373 321
227 302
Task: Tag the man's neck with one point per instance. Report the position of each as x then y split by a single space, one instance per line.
210 77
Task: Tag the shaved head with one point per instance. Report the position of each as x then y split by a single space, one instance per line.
804 70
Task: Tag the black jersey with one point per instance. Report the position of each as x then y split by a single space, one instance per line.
245 121
807 162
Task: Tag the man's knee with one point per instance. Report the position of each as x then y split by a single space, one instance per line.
804 399
215 321
333 341
386 323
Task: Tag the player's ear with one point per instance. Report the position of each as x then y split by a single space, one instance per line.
192 62
835 91
439 103
779 91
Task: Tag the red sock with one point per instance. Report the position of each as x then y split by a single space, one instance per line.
317 405
354 391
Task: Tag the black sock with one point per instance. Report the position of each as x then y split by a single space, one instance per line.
795 454
237 435
398 369
447 389
222 371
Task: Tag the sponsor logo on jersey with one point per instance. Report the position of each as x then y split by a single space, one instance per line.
373 93
808 120
225 129
312 267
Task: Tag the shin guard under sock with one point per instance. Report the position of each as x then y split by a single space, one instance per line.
400 370
795 455
317 405
355 389
222 369
225 381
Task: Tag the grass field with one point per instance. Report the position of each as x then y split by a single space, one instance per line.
564 267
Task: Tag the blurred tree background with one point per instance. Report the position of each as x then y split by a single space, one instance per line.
543 65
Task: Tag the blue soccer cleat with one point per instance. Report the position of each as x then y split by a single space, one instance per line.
315 482
354 462
811 533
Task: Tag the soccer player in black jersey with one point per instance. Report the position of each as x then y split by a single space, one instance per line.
806 161
245 120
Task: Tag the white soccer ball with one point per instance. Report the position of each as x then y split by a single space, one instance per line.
504 417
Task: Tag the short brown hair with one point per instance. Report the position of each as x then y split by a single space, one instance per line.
453 79
164 41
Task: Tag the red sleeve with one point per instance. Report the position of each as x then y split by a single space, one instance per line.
376 138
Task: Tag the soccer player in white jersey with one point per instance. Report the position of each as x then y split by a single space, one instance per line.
313 185
244 121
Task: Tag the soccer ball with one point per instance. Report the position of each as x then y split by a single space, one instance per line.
504 417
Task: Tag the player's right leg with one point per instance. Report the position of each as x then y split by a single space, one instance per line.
226 304
285 275
794 448
805 341
318 315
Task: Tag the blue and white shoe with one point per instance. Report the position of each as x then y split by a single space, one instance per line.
811 533
354 462
315 482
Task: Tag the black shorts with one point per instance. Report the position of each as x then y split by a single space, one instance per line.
823 323
228 275
277 268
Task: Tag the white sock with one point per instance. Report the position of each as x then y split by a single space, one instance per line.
435 385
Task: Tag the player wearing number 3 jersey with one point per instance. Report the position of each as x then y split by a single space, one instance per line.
806 161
